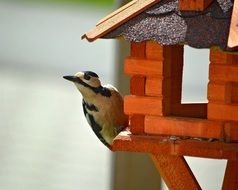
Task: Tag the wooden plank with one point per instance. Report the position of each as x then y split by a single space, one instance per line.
233 33
175 171
118 17
143 105
189 110
133 66
231 176
180 126
125 141
234 93
222 111
138 49
137 124
226 73
219 92
194 5
155 51
231 131
217 56
137 85
156 86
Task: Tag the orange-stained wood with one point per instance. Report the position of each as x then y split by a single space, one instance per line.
226 73
143 105
144 67
137 85
175 171
219 92
137 124
156 86
230 181
223 111
233 33
234 93
155 51
217 56
194 5
180 126
189 110
125 141
231 131
138 50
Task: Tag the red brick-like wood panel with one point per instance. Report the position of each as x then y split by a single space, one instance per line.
180 126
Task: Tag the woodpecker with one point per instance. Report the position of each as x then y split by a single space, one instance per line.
102 106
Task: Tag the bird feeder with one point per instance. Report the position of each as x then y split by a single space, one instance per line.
160 124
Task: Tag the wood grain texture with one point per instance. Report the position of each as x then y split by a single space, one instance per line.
194 5
175 171
231 131
133 66
125 141
143 105
217 56
233 33
137 85
180 126
222 111
138 50
226 73
189 110
137 124
230 181
219 92
118 17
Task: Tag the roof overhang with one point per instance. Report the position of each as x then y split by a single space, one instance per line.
118 17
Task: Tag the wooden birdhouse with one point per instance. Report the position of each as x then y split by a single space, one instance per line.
160 124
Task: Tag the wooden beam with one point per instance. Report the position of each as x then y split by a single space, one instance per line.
189 110
231 176
143 105
125 141
233 33
135 66
180 126
175 172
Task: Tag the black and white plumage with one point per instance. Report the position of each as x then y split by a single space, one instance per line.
102 106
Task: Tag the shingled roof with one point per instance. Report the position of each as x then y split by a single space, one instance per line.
162 21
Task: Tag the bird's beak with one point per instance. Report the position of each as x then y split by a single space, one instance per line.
71 78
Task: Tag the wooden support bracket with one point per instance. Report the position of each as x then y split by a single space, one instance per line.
175 172
231 176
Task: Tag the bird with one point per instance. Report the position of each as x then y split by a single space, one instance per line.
102 106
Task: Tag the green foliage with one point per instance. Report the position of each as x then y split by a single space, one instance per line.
89 2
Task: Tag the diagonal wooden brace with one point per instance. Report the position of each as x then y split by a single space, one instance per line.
175 172
231 176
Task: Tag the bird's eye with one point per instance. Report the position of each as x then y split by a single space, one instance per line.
86 77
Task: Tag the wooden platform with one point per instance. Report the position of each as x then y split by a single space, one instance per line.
168 145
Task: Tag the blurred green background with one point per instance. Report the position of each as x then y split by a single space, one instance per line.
89 2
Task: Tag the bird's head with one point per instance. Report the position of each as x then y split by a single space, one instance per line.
85 81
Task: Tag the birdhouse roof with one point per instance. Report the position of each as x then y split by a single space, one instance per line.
164 22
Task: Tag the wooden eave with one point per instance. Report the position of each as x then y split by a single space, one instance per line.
134 8
118 17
